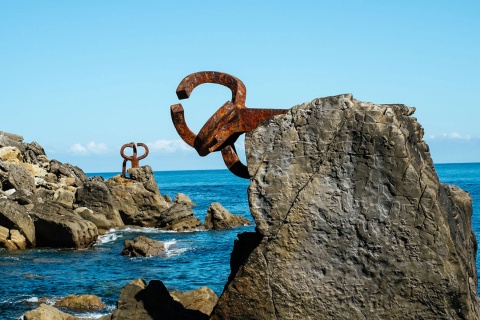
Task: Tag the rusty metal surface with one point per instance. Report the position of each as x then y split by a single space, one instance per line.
224 127
134 159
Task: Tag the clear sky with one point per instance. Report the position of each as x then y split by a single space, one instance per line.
84 77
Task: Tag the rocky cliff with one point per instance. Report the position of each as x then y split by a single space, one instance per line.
352 221
47 203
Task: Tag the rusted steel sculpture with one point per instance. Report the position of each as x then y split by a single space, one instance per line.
133 158
224 127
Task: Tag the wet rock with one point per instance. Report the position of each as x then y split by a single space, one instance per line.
137 198
46 312
142 246
202 299
95 196
179 217
56 226
219 218
138 301
81 302
353 221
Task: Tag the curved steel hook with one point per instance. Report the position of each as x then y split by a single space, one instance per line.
225 126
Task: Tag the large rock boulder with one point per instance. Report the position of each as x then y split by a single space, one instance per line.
352 221
56 226
137 198
202 299
84 302
138 301
219 218
96 204
46 312
14 216
142 246
179 217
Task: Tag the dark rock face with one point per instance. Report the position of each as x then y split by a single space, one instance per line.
16 217
353 221
96 196
219 218
56 226
142 246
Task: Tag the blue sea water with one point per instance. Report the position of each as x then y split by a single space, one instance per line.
193 259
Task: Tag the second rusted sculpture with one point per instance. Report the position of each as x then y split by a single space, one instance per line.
133 158
224 127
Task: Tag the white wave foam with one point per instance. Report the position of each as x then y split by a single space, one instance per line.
171 250
32 300
107 237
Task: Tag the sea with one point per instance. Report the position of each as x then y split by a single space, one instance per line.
192 259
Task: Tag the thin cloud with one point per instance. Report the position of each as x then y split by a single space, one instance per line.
169 146
450 136
91 147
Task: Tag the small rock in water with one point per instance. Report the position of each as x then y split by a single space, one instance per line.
142 246
82 302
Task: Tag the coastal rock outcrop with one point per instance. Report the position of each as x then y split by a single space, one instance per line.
219 218
47 312
142 246
56 226
351 221
139 301
95 203
81 302
202 299
137 198
179 217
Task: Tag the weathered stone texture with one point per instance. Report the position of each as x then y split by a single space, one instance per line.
219 218
354 220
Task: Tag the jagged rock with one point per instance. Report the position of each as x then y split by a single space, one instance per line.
353 221
142 246
179 217
137 199
56 226
46 312
96 196
219 218
168 199
202 299
13 216
138 301
81 302
183 198
14 175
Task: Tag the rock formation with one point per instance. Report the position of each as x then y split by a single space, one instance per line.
142 246
219 218
352 221
202 299
139 301
138 199
46 312
47 203
83 302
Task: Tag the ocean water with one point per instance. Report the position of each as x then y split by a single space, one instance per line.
192 259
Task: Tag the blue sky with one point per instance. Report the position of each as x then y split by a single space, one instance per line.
84 77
